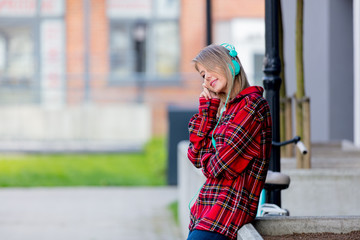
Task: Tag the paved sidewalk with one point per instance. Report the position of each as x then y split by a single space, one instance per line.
87 213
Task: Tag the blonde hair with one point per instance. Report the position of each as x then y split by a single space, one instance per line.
216 58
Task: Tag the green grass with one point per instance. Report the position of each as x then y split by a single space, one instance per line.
173 207
147 168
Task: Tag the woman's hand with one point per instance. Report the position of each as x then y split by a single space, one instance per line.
207 94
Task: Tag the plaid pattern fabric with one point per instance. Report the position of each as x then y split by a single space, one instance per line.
236 172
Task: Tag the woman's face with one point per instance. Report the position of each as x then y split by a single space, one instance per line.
214 81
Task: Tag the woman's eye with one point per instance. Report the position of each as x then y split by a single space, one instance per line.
203 76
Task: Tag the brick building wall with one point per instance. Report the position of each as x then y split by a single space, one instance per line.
74 18
158 97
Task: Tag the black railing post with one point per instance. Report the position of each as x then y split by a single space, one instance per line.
272 82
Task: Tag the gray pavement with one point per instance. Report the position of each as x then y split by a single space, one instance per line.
87 213
106 213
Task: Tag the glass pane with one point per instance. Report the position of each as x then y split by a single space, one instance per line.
167 48
17 62
129 9
2 55
119 48
167 9
258 66
53 8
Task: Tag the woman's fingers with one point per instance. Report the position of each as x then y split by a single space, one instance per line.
213 95
206 92
202 94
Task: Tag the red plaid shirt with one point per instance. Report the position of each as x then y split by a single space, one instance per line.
236 172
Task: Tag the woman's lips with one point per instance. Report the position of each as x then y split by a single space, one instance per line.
212 83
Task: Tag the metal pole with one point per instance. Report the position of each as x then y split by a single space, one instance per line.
208 23
272 82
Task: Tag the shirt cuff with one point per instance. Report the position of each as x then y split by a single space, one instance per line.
208 108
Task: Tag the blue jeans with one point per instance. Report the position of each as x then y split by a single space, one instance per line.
205 235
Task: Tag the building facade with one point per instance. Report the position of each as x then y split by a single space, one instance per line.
331 66
56 54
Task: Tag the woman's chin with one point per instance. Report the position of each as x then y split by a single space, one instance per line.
218 91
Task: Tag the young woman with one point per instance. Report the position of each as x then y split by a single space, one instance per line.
230 139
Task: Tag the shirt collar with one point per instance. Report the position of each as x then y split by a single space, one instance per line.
249 90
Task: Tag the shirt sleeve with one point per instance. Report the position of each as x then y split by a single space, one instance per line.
241 145
200 126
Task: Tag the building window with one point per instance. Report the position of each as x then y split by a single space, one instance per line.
17 60
32 51
144 40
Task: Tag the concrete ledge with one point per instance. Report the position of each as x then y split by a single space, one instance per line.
248 232
347 145
322 192
70 146
289 225
115 122
190 180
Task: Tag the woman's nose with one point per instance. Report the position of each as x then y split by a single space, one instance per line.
207 76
